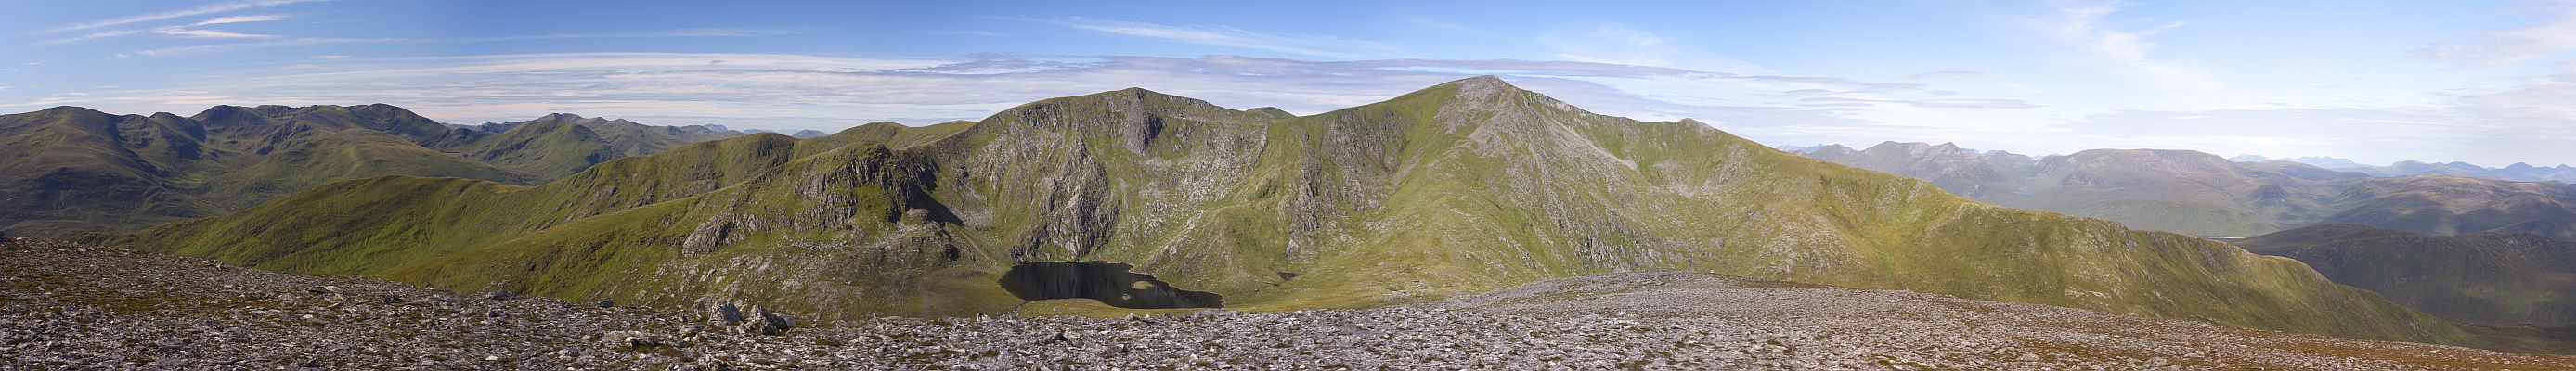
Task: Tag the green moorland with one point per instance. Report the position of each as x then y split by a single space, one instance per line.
2480 278
67 170
1464 187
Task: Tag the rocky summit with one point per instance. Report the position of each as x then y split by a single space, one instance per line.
66 305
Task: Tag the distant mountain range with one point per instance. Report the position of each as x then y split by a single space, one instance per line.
799 134
2515 172
2203 194
1459 188
2481 278
67 170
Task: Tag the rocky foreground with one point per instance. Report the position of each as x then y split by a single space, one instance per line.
72 306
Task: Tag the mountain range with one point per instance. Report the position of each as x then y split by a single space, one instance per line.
2515 172
2206 195
1463 187
67 170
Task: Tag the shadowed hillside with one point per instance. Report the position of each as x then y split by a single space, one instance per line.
2481 278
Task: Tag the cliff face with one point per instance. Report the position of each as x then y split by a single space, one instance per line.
1464 187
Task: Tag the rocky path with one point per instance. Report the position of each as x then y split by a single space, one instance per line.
70 306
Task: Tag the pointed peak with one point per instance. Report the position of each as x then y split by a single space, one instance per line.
559 117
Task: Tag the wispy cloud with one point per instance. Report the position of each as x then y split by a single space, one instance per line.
155 16
91 36
1616 43
1940 73
695 32
2085 26
241 19
751 90
2513 45
207 34
1612 43
1323 46
1931 103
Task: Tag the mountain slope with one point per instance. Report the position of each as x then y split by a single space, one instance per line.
1464 187
2445 205
72 169
2483 278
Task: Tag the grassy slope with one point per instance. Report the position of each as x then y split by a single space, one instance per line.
70 169
368 226
2483 278
73 170
1463 187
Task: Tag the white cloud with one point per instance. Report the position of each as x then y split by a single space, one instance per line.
1324 46
1612 43
2084 26
207 34
1930 103
91 36
2514 45
241 19
1940 73
1615 43
203 49
199 10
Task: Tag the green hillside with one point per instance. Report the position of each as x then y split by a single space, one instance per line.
2481 278
69 169
1464 187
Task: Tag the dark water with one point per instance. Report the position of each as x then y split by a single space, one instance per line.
1110 283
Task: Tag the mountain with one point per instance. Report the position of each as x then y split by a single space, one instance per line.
1464 187
2446 205
557 145
799 134
67 170
2202 194
2323 162
70 169
2516 172
2481 278
2181 191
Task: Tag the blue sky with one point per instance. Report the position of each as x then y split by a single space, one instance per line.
2489 82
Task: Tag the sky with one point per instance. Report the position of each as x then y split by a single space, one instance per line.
2487 82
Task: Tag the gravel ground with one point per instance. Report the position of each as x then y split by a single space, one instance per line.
72 306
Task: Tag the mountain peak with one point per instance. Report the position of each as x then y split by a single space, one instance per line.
1481 86
559 117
